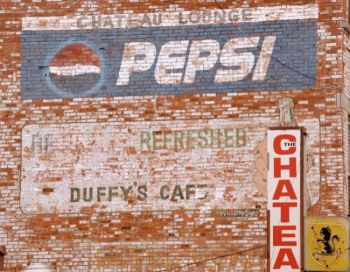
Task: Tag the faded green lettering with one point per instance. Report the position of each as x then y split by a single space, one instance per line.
190 139
241 137
100 192
177 193
164 190
145 138
166 140
203 141
157 140
85 192
74 195
126 191
112 191
189 190
215 138
179 135
228 137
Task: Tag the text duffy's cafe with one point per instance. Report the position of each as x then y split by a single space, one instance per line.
285 200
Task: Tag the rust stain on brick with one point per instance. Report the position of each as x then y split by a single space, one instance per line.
47 191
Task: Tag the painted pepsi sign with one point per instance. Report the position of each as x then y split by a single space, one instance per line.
74 65
170 59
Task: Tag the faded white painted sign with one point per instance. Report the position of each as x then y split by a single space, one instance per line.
159 165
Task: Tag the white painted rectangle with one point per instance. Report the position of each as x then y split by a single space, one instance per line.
172 18
58 159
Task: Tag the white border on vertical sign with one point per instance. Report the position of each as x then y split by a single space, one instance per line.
285 199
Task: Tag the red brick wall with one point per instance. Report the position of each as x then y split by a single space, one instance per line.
155 240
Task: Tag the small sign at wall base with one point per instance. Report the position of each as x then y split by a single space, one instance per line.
327 244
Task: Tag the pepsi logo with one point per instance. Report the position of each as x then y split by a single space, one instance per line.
75 69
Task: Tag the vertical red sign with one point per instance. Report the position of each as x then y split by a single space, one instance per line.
285 200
